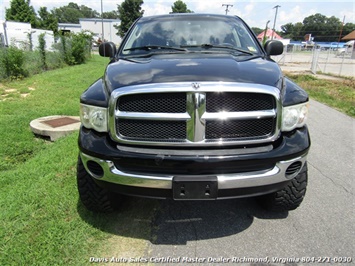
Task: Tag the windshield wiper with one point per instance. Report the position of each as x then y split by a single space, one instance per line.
208 46
155 47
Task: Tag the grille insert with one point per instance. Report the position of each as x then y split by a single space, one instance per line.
153 103
181 114
238 102
151 130
239 129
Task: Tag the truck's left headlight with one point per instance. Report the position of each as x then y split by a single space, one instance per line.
294 116
93 117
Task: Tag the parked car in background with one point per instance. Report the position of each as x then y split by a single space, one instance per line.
347 49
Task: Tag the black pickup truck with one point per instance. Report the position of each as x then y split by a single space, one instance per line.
192 107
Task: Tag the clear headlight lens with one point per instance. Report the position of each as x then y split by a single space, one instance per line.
294 116
94 117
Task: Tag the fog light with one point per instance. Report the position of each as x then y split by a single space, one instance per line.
95 169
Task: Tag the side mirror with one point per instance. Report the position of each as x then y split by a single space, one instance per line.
107 49
274 47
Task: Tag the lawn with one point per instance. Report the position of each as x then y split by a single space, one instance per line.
42 220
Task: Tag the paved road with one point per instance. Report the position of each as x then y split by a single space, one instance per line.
322 227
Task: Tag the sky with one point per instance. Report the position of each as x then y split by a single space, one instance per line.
255 13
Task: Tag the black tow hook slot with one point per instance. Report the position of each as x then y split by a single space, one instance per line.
195 187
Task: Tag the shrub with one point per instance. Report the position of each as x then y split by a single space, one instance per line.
42 49
75 47
33 63
12 61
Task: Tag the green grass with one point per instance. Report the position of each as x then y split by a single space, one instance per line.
337 93
42 221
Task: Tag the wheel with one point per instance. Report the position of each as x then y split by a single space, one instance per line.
288 198
93 197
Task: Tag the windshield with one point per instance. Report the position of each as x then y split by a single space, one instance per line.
193 33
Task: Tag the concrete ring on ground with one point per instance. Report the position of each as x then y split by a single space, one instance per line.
55 126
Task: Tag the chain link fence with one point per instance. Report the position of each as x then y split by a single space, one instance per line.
317 60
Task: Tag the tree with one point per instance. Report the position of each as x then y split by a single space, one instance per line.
21 11
348 27
128 11
47 20
110 15
257 30
292 31
72 12
180 7
67 14
88 12
322 28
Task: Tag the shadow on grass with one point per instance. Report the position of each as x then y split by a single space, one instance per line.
168 222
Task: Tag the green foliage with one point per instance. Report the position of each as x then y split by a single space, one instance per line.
75 47
47 20
348 27
257 31
32 63
128 11
110 15
180 7
21 11
81 47
72 12
322 28
12 63
42 49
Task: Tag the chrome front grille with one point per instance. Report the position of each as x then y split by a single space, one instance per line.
198 114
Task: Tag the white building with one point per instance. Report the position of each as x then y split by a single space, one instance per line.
69 27
19 34
101 28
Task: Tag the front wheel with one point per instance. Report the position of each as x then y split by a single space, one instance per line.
289 198
93 197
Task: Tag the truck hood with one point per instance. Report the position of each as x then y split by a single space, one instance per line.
192 68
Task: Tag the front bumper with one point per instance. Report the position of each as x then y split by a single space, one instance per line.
240 171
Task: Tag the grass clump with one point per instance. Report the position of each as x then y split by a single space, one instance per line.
336 93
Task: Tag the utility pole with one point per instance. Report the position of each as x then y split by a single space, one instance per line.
227 6
273 30
102 23
341 30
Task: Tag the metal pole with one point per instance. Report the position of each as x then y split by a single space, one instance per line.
227 6
273 29
102 23
341 30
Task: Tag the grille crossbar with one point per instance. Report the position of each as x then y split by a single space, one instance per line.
212 114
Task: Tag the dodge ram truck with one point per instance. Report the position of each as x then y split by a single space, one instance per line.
192 107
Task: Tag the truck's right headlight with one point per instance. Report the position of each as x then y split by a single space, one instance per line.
94 117
294 116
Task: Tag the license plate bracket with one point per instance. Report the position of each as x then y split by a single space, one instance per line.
195 187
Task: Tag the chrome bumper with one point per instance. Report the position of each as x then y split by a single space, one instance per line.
228 181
